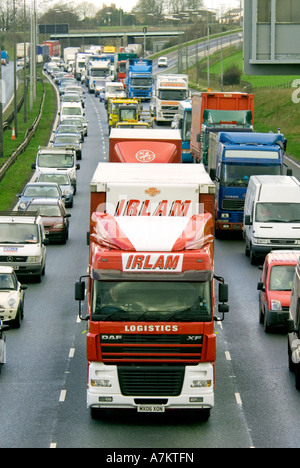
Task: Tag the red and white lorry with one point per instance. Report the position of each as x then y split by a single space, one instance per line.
157 189
144 145
151 344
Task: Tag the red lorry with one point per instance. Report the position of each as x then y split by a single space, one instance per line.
144 145
151 344
234 101
54 47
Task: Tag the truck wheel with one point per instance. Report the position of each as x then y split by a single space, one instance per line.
205 414
247 251
96 413
253 258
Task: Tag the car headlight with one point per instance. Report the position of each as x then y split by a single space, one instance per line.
67 192
275 305
58 226
22 206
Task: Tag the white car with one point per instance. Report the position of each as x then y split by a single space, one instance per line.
11 297
162 62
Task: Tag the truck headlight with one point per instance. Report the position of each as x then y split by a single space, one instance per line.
225 215
275 305
100 383
201 384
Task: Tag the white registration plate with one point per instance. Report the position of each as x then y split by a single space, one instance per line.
151 409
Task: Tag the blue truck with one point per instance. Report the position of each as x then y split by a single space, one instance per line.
232 159
139 78
4 57
183 121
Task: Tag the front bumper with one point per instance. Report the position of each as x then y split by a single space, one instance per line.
111 396
277 317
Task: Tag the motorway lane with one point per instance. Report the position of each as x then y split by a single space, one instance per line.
270 400
43 384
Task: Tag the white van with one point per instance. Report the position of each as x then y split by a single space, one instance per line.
294 328
162 62
57 159
271 215
71 109
23 243
113 89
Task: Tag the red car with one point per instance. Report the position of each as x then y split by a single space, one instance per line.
275 288
54 216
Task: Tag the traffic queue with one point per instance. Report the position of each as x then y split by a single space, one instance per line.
269 203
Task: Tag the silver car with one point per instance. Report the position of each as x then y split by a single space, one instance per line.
63 181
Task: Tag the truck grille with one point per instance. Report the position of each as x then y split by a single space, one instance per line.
154 348
233 204
151 381
283 241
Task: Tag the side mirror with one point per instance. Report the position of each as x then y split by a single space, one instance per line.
79 295
198 138
260 286
33 166
212 174
79 290
248 220
223 292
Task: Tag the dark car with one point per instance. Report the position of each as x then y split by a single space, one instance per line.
54 217
34 190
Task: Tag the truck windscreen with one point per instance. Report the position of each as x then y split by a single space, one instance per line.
172 94
238 175
148 300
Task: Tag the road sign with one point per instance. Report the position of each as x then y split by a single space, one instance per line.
271 37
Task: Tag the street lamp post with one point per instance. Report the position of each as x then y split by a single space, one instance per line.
15 73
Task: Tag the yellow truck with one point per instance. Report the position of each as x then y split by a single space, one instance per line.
123 110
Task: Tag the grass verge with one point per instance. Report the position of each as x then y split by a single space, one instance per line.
20 172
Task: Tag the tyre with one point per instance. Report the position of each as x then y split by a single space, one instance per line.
16 323
253 258
297 375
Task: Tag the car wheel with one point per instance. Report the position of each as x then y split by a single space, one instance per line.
267 327
16 323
